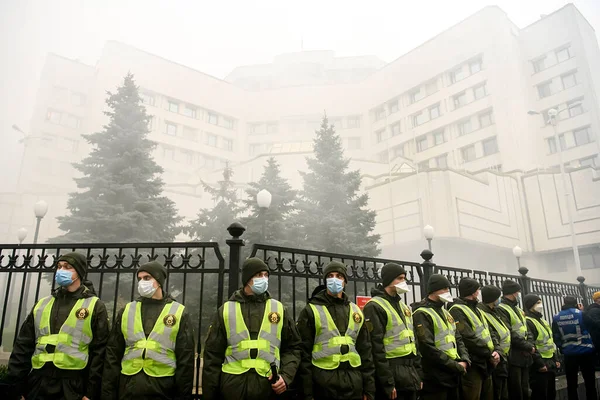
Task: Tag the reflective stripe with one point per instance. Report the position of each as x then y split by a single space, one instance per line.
501 329
517 322
478 324
543 343
399 337
444 332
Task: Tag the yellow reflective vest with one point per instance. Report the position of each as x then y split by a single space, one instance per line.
399 337
543 342
478 323
444 332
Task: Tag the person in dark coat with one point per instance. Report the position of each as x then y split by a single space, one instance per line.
221 381
49 381
477 383
521 346
398 375
490 300
591 319
545 360
443 365
147 377
351 377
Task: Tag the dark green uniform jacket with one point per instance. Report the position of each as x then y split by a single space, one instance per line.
401 373
49 380
345 382
142 386
520 348
439 369
250 385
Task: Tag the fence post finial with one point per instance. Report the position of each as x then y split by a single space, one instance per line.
583 290
235 245
428 269
525 280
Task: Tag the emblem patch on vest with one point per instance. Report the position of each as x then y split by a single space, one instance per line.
407 313
82 313
274 317
170 320
356 317
450 319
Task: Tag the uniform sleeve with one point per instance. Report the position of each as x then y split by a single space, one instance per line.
291 348
376 321
537 358
363 347
306 328
115 348
426 343
475 345
214 355
185 354
556 335
463 353
97 349
516 341
19 364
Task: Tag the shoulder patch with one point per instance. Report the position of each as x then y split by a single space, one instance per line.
369 325
420 330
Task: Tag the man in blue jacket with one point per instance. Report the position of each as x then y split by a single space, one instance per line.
572 337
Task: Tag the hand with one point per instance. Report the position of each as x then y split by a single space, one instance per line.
394 394
543 369
279 386
464 365
557 364
532 350
421 385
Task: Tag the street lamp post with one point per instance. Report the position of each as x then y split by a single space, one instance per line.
40 209
429 232
553 120
517 252
263 199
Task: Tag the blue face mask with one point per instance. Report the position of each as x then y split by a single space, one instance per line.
259 285
335 285
63 278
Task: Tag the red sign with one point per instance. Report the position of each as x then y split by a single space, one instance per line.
362 300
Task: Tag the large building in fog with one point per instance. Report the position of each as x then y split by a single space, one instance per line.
442 135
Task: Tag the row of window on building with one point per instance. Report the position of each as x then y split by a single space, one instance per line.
577 137
550 59
309 125
63 96
63 118
557 84
170 154
195 135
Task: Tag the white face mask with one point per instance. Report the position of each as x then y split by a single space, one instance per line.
402 287
146 288
446 297
538 307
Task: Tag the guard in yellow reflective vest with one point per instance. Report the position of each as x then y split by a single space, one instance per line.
250 333
150 354
545 360
444 356
59 351
337 360
475 333
389 320
490 300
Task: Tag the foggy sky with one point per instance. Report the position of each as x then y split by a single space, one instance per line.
216 36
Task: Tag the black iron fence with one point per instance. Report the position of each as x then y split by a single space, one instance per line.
201 276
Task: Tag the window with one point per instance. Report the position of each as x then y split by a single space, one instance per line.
186 156
460 100
228 144
419 119
423 166
228 123
490 146
569 80
457 75
354 143
485 120
53 116
213 118
434 112
190 134
70 120
468 153
431 87
465 127
393 105
210 140
422 143
544 90
480 91
416 95
398 151
575 108
170 129
173 107
189 111
272 128
588 162
539 64
395 129
379 135
582 136
77 99
353 122
475 66
438 138
379 114
148 99
563 54
442 161
590 258
552 143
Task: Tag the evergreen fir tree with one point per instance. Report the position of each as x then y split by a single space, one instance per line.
120 192
332 212
278 218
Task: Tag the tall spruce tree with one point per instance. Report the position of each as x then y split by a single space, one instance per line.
332 211
278 218
211 224
120 193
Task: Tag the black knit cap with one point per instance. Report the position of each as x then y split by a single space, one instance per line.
570 301
437 282
467 286
490 294
389 272
157 270
251 267
336 266
530 300
78 261
510 287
